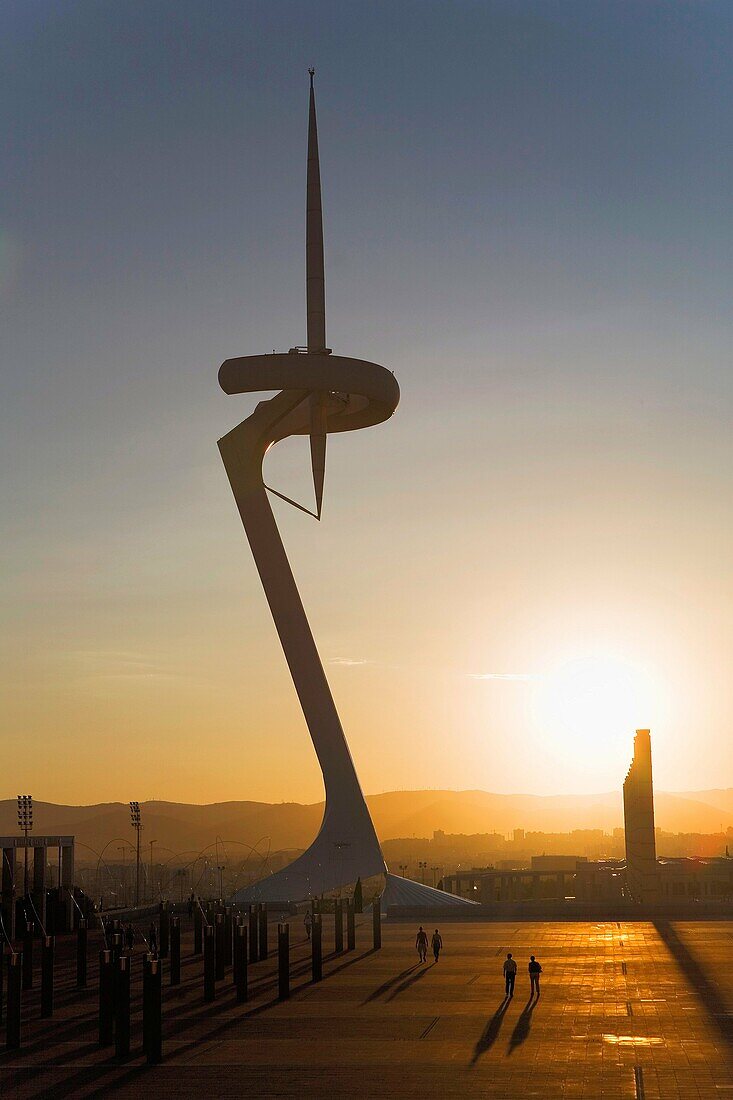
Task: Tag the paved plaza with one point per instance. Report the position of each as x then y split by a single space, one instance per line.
636 1010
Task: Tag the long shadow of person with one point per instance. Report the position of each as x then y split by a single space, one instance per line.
410 981
522 1026
491 1031
386 986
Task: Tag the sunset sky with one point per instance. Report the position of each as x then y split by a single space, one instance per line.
527 218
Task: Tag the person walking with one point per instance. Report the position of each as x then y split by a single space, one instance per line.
129 937
421 943
308 922
510 974
534 976
437 943
153 939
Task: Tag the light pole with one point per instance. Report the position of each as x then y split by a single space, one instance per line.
137 826
152 892
25 824
403 869
423 866
121 848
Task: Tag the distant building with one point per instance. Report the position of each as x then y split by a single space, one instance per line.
696 880
642 873
551 864
599 880
518 835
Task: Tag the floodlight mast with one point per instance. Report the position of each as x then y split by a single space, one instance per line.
137 826
25 823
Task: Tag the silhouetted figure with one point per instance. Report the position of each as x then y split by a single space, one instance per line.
308 922
421 943
153 939
510 974
534 976
436 943
190 906
129 937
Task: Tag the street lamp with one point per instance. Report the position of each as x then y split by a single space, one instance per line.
422 864
152 891
137 826
25 824
403 869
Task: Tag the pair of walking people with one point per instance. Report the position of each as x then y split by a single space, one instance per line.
421 943
510 975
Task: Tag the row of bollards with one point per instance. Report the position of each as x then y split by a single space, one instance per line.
114 1004
229 940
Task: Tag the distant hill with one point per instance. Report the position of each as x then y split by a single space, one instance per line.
179 827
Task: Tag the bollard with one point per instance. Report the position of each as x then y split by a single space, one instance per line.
28 956
175 933
235 957
338 925
240 961
263 931
165 926
220 946
209 963
15 985
147 958
117 945
198 937
350 926
153 1009
253 938
377 922
228 936
47 953
283 962
122 1007
316 949
81 954
106 1010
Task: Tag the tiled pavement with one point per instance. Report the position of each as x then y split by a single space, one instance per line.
635 1010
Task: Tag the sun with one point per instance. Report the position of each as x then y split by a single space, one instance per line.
587 708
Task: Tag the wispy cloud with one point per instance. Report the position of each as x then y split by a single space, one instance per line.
516 676
348 661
